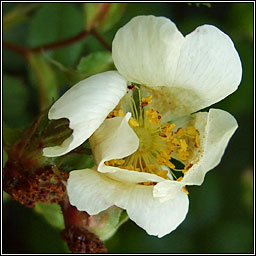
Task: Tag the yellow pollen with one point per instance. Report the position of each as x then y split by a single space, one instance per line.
185 190
114 162
163 174
133 122
153 116
116 113
158 142
146 101
180 132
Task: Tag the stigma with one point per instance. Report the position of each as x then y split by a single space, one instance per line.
163 149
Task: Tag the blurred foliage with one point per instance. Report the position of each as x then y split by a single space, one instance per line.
220 219
52 214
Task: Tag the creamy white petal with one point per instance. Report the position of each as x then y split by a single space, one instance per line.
115 139
146 50
93 192
86 105
220 126
209 67
208 70
157 217
90 191
167 189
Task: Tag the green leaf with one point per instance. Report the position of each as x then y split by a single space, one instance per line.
45 80
5 157
95 63
54 22
15 102
103 16
17 15
52 214
9 136
71 76
106 223
6 197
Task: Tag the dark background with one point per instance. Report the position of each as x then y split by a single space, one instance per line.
220 218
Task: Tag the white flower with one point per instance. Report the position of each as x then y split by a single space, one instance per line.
134 152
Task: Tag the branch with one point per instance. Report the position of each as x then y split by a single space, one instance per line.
16 48
62 43
101 40
23 51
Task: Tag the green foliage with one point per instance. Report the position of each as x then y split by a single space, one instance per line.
17 15
103 16
9 136
45 80
95 63
15 102
6 197
52 214
54 22
106 223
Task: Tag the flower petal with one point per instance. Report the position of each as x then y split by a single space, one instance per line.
86 105
209 67
89 191
157 217
93 192
220 126
146 50
115 139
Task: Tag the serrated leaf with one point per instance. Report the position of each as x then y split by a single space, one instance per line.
95 63
45 79
54 22
52 214
102 16
15 102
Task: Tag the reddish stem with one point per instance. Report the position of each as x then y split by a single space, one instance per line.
62 43
101 40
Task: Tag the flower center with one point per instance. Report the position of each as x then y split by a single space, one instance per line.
161 149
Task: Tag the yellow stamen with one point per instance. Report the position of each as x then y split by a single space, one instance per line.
145 101
185 190
158 143
116 113
163 174
114 162
153 116
133 122
180 132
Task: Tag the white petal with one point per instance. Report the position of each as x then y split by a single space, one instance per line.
219 128
146 50
157 217
89 191
92 192
209 67
167 189
86 105
115 139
